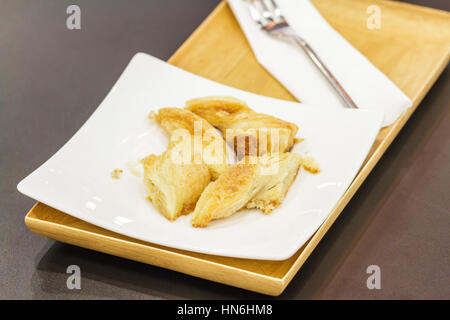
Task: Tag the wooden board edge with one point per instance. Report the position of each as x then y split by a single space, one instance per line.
159 257
199 29
429 10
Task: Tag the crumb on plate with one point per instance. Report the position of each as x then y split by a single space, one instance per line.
152 115
310 164
116 173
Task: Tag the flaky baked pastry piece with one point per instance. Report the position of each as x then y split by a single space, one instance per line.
196 154
207 144
173 186
249 132
255 182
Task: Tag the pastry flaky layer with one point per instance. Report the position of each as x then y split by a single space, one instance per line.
196 155
174 188
249 132
201 139
255 182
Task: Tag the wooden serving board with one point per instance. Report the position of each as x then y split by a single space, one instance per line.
411 48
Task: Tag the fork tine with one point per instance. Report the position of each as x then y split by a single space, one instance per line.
276 11
255 13
266 11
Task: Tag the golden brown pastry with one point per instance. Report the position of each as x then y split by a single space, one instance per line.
196 155
273 192
207 144
249 132
173 186
255 182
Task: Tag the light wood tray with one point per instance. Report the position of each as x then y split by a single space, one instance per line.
411 48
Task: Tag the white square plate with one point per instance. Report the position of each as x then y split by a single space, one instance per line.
77 180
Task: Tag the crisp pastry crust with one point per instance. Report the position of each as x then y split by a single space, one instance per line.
249 132
176 178
207 144
173 187
255 182
273 192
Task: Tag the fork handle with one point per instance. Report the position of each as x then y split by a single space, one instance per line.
327 73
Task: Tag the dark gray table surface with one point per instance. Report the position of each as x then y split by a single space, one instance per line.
52 79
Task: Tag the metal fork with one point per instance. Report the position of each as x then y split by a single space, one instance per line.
268 16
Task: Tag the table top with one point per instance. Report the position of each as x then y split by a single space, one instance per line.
51 80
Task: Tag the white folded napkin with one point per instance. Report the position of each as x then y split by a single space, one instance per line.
367 86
